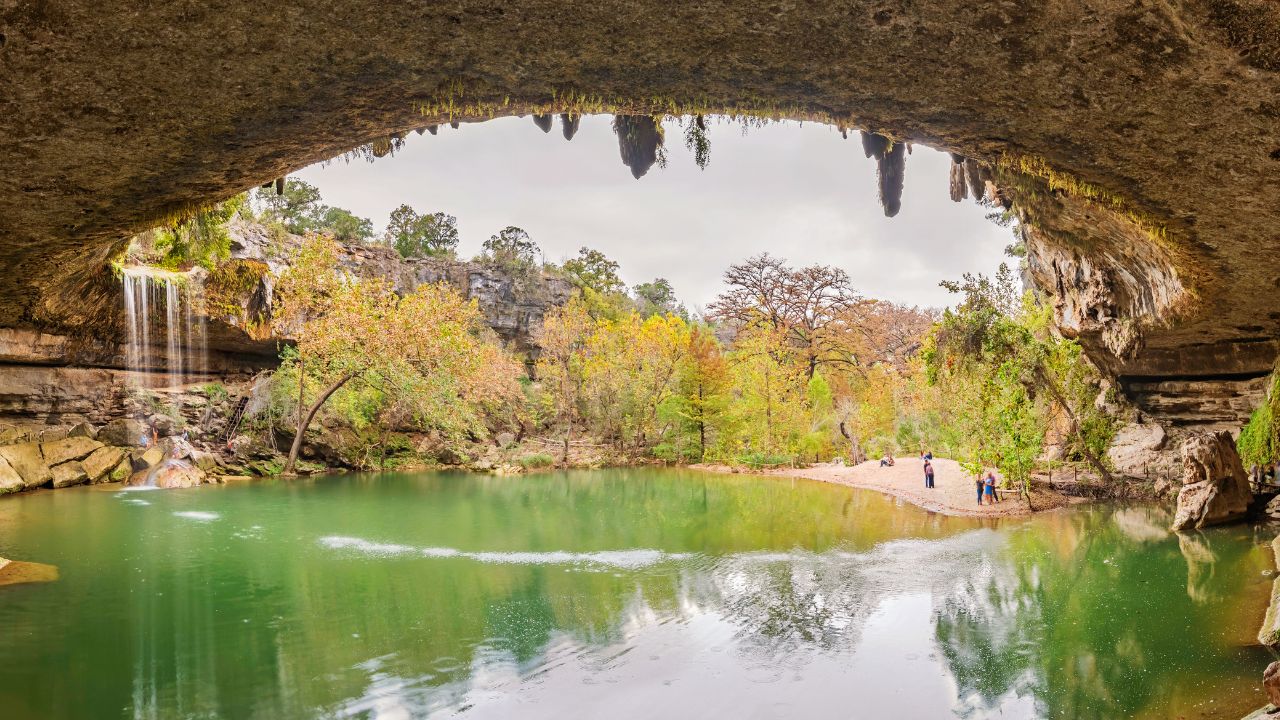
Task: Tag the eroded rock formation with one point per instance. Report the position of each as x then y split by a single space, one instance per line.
1215 488
1139 141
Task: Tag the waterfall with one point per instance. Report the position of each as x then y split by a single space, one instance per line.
170 303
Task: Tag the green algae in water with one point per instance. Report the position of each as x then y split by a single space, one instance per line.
622 594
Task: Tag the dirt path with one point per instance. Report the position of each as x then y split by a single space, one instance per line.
953 492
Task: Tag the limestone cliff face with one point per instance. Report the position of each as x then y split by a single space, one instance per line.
513 305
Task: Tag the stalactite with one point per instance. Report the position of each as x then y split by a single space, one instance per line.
891 163
958 189
975 178
279 186
543 122
874 145
892 167
454 124
433 129
420 130
639 140
380 147
958 186
569 125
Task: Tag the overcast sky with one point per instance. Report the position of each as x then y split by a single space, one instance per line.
797 191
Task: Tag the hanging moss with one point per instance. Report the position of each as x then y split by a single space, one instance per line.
543 122
695 138
639 141
569 125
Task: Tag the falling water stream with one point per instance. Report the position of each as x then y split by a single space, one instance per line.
160 302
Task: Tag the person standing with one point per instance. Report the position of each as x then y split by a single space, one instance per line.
928 474
980 485
991 488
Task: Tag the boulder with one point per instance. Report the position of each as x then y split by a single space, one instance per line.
163 424
121 472
84 429
1215 488
10 480
123 432
168 475
176 447
505 439
1271 682
25 458
101 462
72 448
152 456
68 474
203 460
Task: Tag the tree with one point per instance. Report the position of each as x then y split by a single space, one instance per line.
997 355
425 350
702 387
511 249
297 208
301 211
814 309
414 235
345 226
591 269
562 362
658 298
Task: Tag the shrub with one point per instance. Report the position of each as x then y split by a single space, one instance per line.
537 460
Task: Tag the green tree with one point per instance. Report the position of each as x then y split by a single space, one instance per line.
511 249
591 269
297 208
414 235
344 225
658 298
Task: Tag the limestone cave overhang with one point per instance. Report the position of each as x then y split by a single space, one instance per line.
1139 142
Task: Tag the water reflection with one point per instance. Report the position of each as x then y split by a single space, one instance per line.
624 594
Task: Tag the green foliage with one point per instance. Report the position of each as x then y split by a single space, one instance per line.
1011 381
695 138
1260 437
300 210
201 239
216 392
511 249
761 460
591 269
414 235
658 298
537 460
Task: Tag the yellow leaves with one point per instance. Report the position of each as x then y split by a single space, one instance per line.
428 349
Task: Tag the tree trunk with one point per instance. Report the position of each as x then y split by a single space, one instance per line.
702 427
311 414
1089 455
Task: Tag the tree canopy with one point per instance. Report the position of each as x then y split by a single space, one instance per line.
415 235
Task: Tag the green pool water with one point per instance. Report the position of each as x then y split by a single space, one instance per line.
615 594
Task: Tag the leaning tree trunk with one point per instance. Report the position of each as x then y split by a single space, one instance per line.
1058 396
311 414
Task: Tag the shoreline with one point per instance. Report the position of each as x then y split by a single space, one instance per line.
953 493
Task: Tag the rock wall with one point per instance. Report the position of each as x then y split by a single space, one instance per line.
49 379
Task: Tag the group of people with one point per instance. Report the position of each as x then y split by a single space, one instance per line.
986 485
